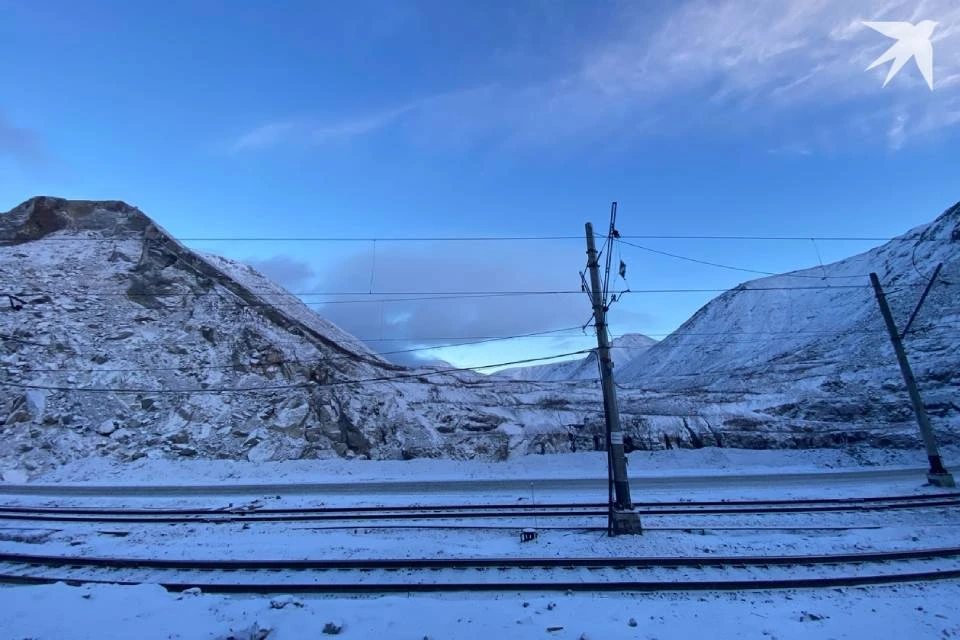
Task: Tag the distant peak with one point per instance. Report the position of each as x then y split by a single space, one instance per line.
634 340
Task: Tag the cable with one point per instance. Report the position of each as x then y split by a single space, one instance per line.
475 238
743 269
688 259
338 383
538 334
913 261
457 295
772 333
521 336
266 292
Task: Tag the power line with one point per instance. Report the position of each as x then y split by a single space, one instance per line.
445 295
268 291
480 238
688 259
474 341
304 385
786 331
555 333
743 269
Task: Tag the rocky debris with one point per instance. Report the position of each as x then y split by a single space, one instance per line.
282 602
27 407
806 616
332 628
253 632
180 437
107 427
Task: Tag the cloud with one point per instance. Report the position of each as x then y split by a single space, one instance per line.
419 359
749 66
313 132
290 273
897 133
264 136
792 149
407 324
23 145
792 69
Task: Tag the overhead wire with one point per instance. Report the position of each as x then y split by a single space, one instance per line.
742 269
419 296
448 295
325 359
304 385
482 238
544 334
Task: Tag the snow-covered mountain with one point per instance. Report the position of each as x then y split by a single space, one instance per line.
623 350
119 341
809 354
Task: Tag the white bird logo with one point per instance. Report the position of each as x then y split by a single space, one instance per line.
913 41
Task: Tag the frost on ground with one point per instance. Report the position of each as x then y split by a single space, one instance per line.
106 299
641 464
704 475
148 612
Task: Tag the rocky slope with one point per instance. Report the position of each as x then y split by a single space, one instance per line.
118 341
808 351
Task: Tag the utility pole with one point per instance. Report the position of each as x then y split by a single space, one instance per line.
938 475
623 519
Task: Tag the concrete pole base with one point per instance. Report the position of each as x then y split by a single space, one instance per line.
941 480
625 523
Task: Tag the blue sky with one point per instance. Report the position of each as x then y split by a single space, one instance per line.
385 118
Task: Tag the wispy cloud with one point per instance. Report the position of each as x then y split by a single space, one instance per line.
897 133
708 66
761 64
792 149
314 132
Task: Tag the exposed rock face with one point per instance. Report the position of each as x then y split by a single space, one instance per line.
118 316
124 343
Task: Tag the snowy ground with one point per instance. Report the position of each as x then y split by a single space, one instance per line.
148 612
561 465
709 474
916 611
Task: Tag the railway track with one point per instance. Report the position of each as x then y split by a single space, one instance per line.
470 512
493 574
459 486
